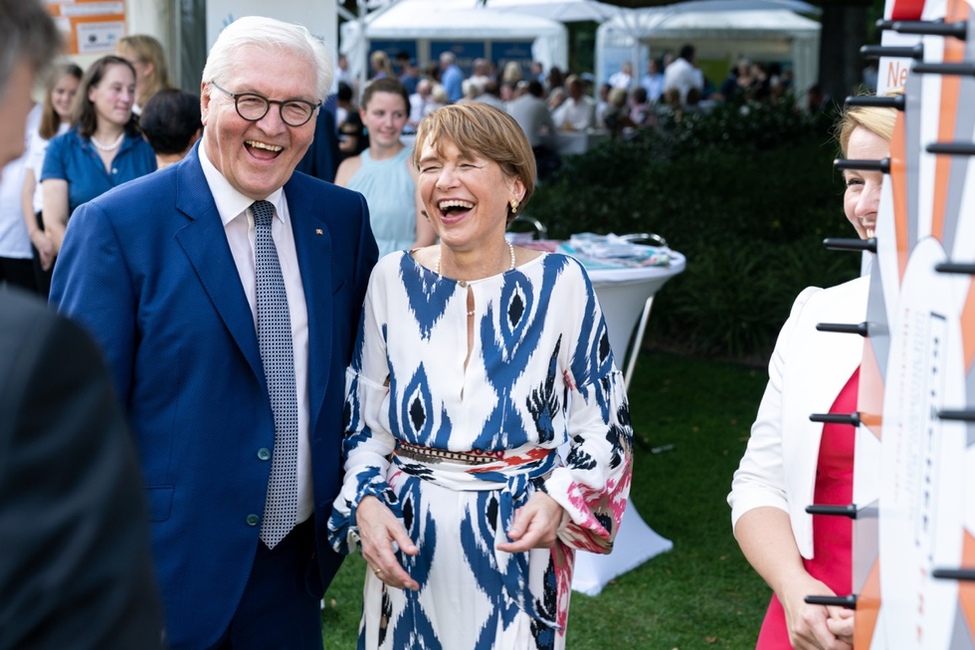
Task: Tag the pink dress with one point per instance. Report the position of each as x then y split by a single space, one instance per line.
832 536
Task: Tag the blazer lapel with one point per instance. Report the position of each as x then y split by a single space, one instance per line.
313 244
831 358
204 242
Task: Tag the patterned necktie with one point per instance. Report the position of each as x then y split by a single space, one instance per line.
277 355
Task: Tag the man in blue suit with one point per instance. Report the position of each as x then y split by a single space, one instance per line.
226 291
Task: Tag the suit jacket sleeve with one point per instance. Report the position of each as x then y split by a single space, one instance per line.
92 284
75 571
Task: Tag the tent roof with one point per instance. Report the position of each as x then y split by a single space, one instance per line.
438 20
567 11
704 24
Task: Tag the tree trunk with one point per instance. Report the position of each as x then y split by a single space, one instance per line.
844 31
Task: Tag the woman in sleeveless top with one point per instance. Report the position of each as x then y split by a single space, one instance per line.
383 173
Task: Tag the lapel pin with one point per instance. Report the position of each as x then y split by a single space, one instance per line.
318 231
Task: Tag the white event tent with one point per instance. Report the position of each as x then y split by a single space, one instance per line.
450 20
762 34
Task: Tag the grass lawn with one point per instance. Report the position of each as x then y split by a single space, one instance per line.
702 594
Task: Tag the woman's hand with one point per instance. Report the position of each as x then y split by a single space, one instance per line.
811 626
535 526
45 248
379 529
840 623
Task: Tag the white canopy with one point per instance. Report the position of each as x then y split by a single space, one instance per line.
456 21
568 11
775 33
564 11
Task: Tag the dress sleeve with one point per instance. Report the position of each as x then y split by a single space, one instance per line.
593 485
759 480
368 443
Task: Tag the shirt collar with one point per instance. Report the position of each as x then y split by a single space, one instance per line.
230 202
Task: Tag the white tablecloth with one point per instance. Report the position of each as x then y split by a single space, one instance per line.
622 294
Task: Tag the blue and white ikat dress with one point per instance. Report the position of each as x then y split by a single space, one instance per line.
540 374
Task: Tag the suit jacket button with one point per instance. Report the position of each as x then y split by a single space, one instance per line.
263 453
252 520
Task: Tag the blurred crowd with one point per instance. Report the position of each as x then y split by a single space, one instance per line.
94 129
546 102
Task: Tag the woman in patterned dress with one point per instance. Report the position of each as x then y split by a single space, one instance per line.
476 362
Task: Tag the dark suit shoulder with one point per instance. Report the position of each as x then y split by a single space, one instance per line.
76 569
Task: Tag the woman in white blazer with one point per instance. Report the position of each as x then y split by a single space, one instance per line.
785 466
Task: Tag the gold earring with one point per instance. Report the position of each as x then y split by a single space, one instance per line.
514 205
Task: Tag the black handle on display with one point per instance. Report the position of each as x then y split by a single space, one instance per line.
844 328
955 267
899 51
864 165
962 69
964 575
957 416
849 244
836 418
849 602
833 511
931 28
873 101
952 148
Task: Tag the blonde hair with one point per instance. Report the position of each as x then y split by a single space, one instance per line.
380 62
147 49
512 73
478 129
876 119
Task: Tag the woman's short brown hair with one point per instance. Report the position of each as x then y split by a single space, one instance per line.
879 120
484 131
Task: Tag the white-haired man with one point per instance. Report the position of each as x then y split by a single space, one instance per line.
226 292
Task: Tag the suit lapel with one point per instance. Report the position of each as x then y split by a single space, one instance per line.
204 242
313 244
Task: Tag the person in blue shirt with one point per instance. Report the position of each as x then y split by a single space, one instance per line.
103 148
653 80
452 78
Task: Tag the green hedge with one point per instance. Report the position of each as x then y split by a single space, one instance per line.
747 194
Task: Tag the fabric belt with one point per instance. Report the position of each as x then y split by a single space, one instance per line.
430 455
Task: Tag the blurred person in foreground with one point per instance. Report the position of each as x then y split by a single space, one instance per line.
75 569
791 462
475 362
171 124
226 290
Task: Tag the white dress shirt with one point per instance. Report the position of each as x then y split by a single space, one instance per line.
238 223
682 75
576 114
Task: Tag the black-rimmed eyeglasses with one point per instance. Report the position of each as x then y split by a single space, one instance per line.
253 107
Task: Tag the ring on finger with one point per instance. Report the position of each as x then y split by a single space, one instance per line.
377 572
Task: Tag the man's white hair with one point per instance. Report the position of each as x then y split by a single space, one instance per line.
267 33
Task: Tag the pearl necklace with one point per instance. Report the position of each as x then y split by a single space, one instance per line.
464 283
108 147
